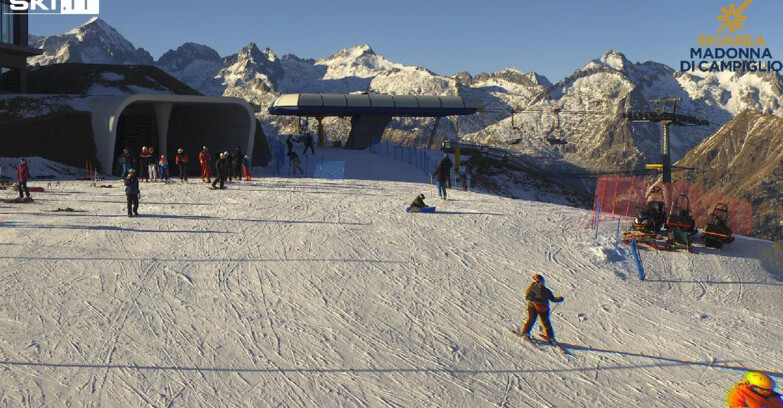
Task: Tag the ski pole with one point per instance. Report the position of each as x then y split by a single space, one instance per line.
541 327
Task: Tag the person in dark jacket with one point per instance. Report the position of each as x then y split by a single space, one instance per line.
441 173
538 297
446 161
289 144
144 162
418 202
22 174
221 167
308 143
182 160
236 164
132 192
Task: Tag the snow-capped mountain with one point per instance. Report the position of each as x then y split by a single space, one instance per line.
193 64
594 97
591 100
94 42
745 159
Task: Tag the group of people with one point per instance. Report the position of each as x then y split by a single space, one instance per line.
293 158
236 165
442 175
228 167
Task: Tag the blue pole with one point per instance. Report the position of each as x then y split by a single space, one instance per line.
637 260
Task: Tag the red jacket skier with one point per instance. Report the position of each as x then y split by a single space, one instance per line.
203 159
22 174
756 391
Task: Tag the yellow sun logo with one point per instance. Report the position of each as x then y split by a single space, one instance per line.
732 17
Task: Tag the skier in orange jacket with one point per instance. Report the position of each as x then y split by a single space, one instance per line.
203 159
755 391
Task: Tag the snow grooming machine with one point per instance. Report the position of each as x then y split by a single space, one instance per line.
717 232
680 224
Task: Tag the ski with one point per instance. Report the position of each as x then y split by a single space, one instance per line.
545 341
526 339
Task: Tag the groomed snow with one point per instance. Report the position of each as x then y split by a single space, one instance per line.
303 292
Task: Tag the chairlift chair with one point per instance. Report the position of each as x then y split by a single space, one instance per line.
717 231
680 224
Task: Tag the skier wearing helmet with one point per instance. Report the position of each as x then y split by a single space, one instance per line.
132 192
203 159
757 390
182 164
538 297
221 166
144 163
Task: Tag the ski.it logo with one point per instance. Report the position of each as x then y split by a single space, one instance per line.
51 6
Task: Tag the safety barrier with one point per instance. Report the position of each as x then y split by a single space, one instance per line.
424 159
623 197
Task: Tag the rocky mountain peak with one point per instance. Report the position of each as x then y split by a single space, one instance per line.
186 54
93 42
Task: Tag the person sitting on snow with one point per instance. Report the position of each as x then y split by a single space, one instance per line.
418 202
755 391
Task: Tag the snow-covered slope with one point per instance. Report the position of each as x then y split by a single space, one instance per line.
304 292
94 42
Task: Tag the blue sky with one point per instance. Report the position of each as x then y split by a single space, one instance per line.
550 37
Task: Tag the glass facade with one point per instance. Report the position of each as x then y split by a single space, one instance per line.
10 79
6 24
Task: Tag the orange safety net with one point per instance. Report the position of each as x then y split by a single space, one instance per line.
624 197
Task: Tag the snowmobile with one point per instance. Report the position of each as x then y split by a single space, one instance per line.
717 231
680 224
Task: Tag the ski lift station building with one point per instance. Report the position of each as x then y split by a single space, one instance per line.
370 113
169 122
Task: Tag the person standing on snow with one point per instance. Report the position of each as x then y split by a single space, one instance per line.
293 161
755 391
181 160
446 161
22 174
221 167
144 163
289 144
153 166
463 175
538 297
132 192
309 143
203 160
236 165
164 169
246 168
441 174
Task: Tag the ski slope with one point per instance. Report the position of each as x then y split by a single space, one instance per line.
300 292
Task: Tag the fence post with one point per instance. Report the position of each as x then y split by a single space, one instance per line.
597 217
636 259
